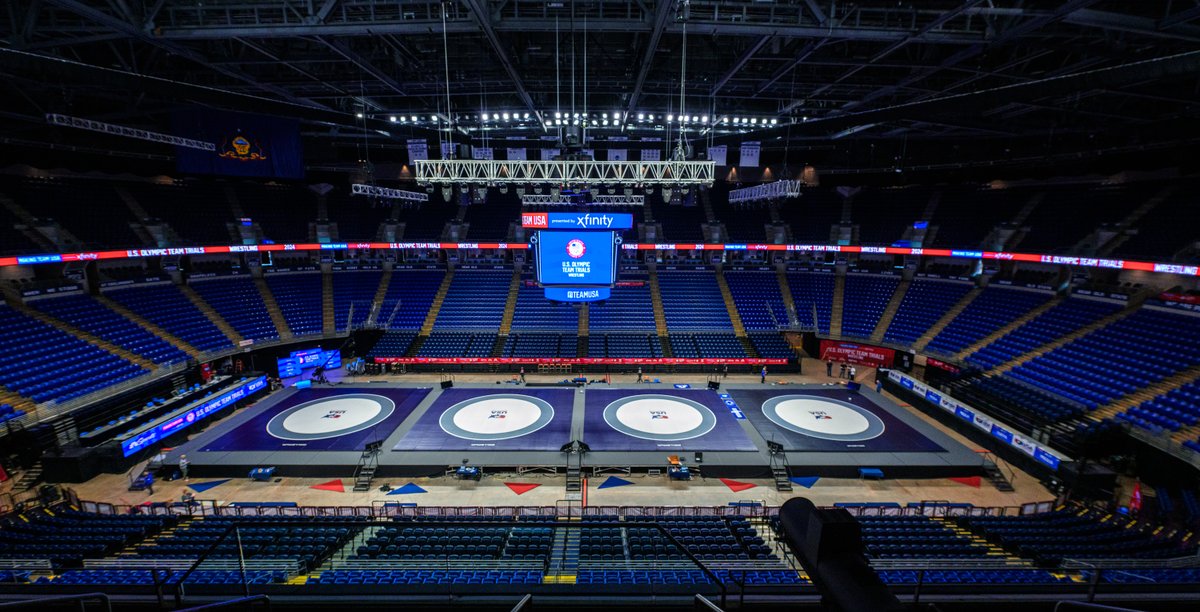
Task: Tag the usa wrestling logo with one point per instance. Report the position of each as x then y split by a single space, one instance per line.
821 416
658 415
576 248
498 414
334 414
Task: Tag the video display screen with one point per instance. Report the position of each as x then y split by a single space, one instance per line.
576 258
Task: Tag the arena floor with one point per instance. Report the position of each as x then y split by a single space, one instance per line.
646 490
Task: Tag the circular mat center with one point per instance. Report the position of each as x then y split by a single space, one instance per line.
330 417
659 416
824 418
497 415
664 418
821 416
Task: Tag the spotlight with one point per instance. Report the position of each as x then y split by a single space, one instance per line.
616 122
704 119
615 115
695 118
526 115
724 119
774 121
804 118
670 118
414 118
392 118
641 116
403 119
558 115
754 120
606 122
359 115
433 118
506 116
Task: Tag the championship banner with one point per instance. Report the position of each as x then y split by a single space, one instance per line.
750 152
651 155
718 154
447 150
858 354
516 154
481 153
418 149
578 360
549 154
246 145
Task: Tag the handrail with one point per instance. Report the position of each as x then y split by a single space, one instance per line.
704 603
526 600
81 598
249 599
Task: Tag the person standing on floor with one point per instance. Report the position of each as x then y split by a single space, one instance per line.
184 464
853 373
639 374
842 371
829 368
522 374
763 375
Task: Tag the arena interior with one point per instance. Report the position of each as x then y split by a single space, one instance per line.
594 304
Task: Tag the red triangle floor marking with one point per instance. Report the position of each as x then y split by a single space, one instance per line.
521 488
333 485
736 486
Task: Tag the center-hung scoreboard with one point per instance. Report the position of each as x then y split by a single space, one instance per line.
575 254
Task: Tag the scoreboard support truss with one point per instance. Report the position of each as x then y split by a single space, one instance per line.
537 199
631 173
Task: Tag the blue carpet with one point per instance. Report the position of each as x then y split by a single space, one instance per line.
201 487
407 489
805 481
613 481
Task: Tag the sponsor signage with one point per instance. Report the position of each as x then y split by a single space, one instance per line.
1000 431
858 354
577 221
177 422
579 361
732 406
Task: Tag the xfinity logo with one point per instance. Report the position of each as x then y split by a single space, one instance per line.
588 220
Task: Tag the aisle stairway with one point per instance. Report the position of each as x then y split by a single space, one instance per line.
328 318
785 292
1008 329
581 335
835 311
949 315
660 317
564 556
510 303
268 298
208 311
436 306
148 326
1134 304
734 316
889 313
380 294
85 336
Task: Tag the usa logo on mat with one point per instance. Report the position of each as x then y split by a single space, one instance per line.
821 416
334 414
658 414
499 414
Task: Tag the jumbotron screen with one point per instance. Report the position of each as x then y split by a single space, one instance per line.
577 258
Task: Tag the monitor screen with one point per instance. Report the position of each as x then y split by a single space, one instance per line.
576 258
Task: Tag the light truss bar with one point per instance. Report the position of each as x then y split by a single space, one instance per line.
534 199
494 172
391 194
767 191
128 132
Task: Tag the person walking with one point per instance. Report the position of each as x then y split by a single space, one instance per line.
639 374
725 374
763 375
522 374
829 368
184 464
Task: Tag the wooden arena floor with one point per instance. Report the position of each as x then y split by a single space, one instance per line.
646 490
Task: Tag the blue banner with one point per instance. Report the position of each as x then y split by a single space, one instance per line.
161 430
247 145
596 221
565 294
